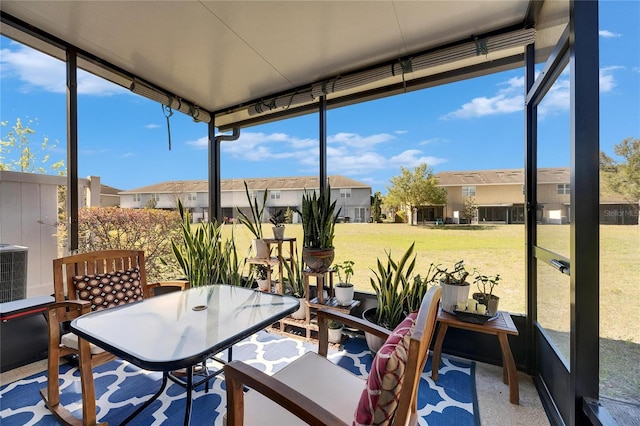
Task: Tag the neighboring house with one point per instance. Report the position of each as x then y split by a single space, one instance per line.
353 197
499 196
109 196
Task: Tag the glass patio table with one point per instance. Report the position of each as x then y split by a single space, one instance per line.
181 329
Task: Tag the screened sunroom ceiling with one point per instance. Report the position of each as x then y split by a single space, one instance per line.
246 60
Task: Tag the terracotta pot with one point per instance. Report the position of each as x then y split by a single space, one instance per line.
318 260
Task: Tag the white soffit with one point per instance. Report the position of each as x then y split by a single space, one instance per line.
219 54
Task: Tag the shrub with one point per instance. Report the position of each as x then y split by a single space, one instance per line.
151 230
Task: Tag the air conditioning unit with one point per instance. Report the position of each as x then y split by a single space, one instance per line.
13 272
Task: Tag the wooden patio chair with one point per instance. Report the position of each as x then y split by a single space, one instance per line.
313 390
79 282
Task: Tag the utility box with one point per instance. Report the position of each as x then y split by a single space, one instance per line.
13 272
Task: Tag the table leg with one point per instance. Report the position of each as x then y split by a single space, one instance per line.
510 365
187 411
165 376
437 351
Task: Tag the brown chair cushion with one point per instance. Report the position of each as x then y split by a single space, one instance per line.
110 289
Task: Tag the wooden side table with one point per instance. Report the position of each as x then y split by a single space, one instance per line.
501 327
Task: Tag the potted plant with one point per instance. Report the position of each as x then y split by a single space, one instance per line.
455 287
294 282
392 284
335 331
344 288
484 297
254 223
278 220
318 224
261 276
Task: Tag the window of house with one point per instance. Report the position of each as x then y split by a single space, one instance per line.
155 197
191 196
564 189
136 197
345 193
274 195
468 191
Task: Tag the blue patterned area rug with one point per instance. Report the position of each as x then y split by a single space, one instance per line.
120 387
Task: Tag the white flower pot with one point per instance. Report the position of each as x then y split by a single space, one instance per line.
260 249
278 232
263 285
452 294
344 293
335 335
301 313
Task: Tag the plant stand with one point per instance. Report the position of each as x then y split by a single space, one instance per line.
310 323
277 260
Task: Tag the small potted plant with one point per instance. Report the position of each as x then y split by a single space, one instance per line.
344 288
261 275
254 223
455 287
278 220
319 217
485 296
294 283
335 331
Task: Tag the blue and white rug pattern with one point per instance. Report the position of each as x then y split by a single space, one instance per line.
120 387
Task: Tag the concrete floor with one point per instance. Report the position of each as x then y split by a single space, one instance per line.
493 395
493 399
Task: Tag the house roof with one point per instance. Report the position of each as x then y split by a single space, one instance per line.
501 177
289 183
109 190
226 57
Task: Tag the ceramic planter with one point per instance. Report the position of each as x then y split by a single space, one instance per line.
278 232
301 313
335 335
452 294
263 285
492 306
373 342
318 260
260 249
344 293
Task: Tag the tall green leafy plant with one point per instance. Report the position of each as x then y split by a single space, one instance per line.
294 281
319 217
398 291
200 254
253 223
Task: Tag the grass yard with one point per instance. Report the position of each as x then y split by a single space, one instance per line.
500 249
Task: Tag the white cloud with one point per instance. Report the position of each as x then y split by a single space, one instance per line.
432 141
151 126
39 71
608 34
607 80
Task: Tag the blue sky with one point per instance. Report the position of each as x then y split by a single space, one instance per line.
471 125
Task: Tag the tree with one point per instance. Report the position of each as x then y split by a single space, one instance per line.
18 153
376 209
622 177
414 189
470 208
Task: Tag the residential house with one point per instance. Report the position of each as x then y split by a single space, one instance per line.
353 197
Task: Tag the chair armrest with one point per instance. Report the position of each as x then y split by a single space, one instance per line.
181 284
326 314
237 374
68 309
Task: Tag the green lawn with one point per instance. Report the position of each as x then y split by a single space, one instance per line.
499 249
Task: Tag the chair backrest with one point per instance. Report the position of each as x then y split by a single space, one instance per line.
95 263
419 343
